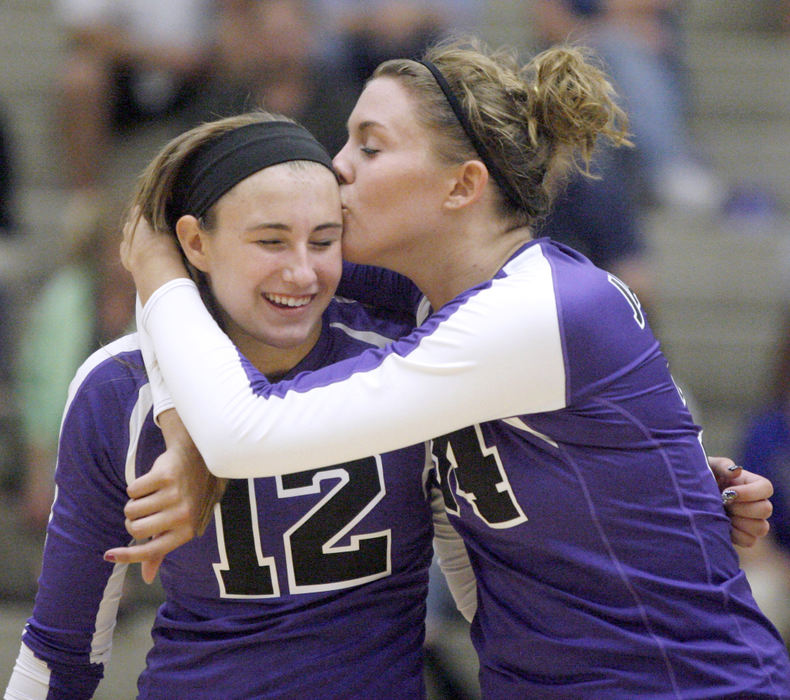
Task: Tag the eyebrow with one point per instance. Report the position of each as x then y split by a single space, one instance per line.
364 126
285 227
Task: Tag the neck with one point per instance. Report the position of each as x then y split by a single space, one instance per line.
452 268
272 361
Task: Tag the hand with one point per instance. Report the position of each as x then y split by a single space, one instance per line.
746 499
170 504
153 258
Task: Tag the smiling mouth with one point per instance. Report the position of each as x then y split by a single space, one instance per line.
288 302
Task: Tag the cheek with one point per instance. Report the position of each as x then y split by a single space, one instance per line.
330 269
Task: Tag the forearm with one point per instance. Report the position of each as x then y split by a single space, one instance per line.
433 382
202 489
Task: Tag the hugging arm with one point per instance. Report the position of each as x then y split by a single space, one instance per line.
188 492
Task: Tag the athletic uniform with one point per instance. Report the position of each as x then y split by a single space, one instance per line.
567 459
304 586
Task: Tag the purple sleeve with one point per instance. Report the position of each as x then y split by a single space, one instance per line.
76 604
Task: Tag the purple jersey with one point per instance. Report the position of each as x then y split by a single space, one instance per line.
307 585
568 462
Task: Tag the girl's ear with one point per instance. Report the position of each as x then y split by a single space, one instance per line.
468 184
192 239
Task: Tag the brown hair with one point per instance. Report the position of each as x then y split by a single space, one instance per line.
156 184
537 122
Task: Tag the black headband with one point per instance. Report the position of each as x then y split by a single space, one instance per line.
217 166
482 151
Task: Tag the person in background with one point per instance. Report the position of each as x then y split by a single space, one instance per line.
361 34
86 302
9 235
602 219
765 449
268 55
9 223
125 64
640 45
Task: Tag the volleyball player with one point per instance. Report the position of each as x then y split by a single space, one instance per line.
302 586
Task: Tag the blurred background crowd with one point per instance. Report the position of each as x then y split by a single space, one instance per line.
696 217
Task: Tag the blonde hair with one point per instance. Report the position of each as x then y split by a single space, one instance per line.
537 122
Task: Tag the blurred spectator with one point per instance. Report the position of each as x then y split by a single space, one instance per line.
268 55
88 301
366 32
766 450
600 218
8 222
783 11
8 227
126 63
639 42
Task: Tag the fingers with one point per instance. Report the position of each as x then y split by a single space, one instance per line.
725 470
150 568
749 496
747 531
753 510
151 552
144 519
146 484
162 503
753 487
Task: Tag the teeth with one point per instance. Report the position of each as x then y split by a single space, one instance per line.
288 301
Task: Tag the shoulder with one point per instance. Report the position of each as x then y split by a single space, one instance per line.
374 327
600 321
108 401
113 369
584 292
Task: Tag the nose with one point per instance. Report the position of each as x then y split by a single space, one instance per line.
341 165
299 269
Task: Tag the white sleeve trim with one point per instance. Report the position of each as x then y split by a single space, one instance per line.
498 355
162 399
453 559
30 677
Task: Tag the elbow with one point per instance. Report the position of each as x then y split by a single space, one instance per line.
219 461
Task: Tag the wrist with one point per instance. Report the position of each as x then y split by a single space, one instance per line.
154 273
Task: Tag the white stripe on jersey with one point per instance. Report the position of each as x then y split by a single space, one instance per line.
370 337
519 424
101 643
